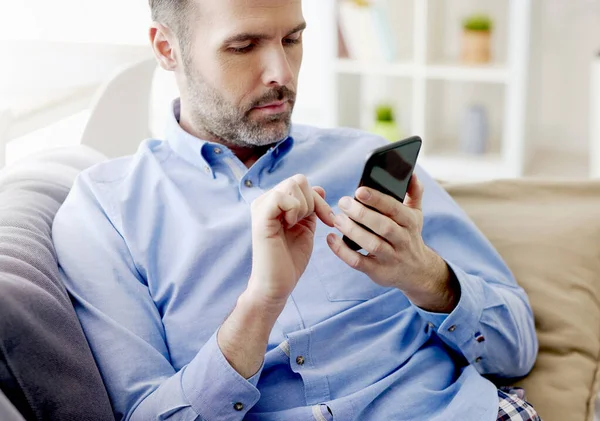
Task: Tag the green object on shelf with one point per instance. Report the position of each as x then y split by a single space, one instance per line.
480 23
385 124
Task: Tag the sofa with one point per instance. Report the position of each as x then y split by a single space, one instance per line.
47 371
547 231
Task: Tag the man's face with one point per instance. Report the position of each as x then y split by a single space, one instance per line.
241 68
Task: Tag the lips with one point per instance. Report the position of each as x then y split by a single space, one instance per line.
274 104
275 107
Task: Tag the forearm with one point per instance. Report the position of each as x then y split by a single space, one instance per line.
244 336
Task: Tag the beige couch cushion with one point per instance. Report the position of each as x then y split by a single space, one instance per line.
549 235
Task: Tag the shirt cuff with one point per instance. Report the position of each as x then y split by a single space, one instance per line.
214 389
461 329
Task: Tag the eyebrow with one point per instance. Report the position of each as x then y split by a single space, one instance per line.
245 36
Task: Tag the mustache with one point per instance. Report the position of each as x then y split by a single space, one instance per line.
277 94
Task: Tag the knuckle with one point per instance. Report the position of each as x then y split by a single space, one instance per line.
396 211
300 179
404 239
349 229
284 187
388 229
412 221
375 199
277 195
376 246
355 262
361 212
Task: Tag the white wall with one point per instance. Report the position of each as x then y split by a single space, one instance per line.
566 35
106 21
58 44
315 75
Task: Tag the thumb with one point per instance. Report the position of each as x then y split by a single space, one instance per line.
414 195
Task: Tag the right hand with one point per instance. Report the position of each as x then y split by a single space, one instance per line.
284 222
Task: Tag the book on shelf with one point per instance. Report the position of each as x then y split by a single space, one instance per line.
366 30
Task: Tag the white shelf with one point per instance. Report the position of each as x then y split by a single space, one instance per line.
466 168
355 67
449 72
489 74
434 88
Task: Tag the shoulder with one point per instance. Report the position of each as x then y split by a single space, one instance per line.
118 170
339 141
104 185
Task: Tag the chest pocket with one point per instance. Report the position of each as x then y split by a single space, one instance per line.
340 281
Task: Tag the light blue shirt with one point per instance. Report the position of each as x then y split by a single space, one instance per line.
156 248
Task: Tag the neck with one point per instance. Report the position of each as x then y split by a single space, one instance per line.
247 154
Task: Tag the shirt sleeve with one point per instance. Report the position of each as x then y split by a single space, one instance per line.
124 327
492 326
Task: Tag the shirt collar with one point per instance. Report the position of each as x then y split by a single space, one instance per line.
197 151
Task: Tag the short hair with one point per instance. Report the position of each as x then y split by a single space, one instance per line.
174 14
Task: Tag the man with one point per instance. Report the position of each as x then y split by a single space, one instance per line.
210 276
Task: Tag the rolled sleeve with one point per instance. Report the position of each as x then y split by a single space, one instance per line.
223 394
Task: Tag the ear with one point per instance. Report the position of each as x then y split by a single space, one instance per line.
164 44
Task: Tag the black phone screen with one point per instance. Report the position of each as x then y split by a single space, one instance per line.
390 171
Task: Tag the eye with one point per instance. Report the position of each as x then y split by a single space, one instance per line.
242 50
292 40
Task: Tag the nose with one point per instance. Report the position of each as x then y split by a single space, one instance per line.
278 71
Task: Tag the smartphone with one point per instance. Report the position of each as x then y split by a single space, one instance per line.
388 169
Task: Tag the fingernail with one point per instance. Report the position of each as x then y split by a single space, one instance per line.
345 203
330 239
339 221
363 194
332 216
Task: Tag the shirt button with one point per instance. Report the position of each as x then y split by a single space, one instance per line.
477 360
300 360
238 406
249 184
218 151
452 328
207 169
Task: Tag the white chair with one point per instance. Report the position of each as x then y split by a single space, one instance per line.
4 123
120 115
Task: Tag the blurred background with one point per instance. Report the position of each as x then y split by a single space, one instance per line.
496 88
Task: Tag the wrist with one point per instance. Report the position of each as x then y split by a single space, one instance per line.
244 335
253 300
439 290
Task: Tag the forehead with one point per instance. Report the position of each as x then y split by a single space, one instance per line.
224 17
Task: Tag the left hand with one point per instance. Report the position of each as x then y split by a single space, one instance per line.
398 256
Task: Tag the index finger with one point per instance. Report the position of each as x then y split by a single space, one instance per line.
322 208
386 205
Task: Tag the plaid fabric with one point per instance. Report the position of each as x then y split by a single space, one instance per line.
513 406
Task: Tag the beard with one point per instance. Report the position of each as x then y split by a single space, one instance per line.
234 125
